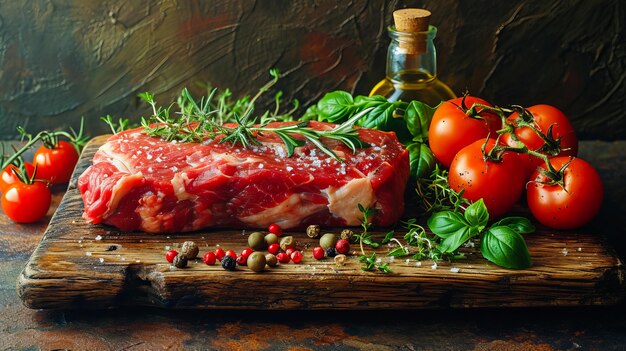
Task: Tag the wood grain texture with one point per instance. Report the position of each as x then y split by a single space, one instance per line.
78 265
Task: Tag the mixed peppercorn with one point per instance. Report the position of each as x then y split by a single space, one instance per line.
279 250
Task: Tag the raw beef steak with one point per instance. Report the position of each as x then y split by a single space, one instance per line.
139 182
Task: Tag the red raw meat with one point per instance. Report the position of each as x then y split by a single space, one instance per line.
138 182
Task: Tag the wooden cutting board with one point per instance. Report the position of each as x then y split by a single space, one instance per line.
78 265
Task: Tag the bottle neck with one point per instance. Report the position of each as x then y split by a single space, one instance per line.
411 55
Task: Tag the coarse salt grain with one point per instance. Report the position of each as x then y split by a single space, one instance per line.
261 166
455 270
99 237
564 251
87 253
434 266
101 260
579 249
418 263
289 168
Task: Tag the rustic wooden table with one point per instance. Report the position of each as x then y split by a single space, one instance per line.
149 329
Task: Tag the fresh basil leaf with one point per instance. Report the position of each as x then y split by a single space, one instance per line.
336 106
476 215
417 117
506 248
519 224
446 223
369 101
421 160
454 241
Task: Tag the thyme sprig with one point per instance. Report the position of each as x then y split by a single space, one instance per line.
370 262
215 116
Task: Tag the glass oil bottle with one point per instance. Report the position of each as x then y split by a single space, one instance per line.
411 72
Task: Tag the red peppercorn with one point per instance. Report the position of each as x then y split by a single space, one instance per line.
273 249
283 257
342 246
319 253
209 258
275 229
232 254
246 252
170 254
242 260
289 251
219 253
296 256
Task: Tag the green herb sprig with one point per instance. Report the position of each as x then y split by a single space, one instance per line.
216 117
501 243
370 262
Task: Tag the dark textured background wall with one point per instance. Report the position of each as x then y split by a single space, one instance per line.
60 60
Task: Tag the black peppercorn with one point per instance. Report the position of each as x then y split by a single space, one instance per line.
229 263
180 261
331 252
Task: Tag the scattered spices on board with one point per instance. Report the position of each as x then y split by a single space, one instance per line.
189 249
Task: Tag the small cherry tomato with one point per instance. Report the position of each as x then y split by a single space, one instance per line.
499 184
8 177
170 254
56 165
275 229
232 254
452 129
571 204
546 118
209 258
26 203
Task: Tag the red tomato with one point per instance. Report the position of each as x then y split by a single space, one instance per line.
499 184
451 129
56 165
544 117
7 177
570 206
26 203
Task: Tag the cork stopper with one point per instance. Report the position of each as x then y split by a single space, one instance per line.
412 21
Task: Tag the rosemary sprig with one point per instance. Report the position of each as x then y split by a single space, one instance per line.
215 116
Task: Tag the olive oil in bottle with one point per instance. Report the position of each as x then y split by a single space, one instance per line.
411 72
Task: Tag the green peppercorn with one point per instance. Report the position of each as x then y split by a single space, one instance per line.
256 261
328 240
271 260
256 241
287 242
189 249
347 234
271 238
180 261
313 231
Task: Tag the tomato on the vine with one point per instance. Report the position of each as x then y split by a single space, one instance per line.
544 117
56 165
452 129
571 204
8 177
499 183
26 203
